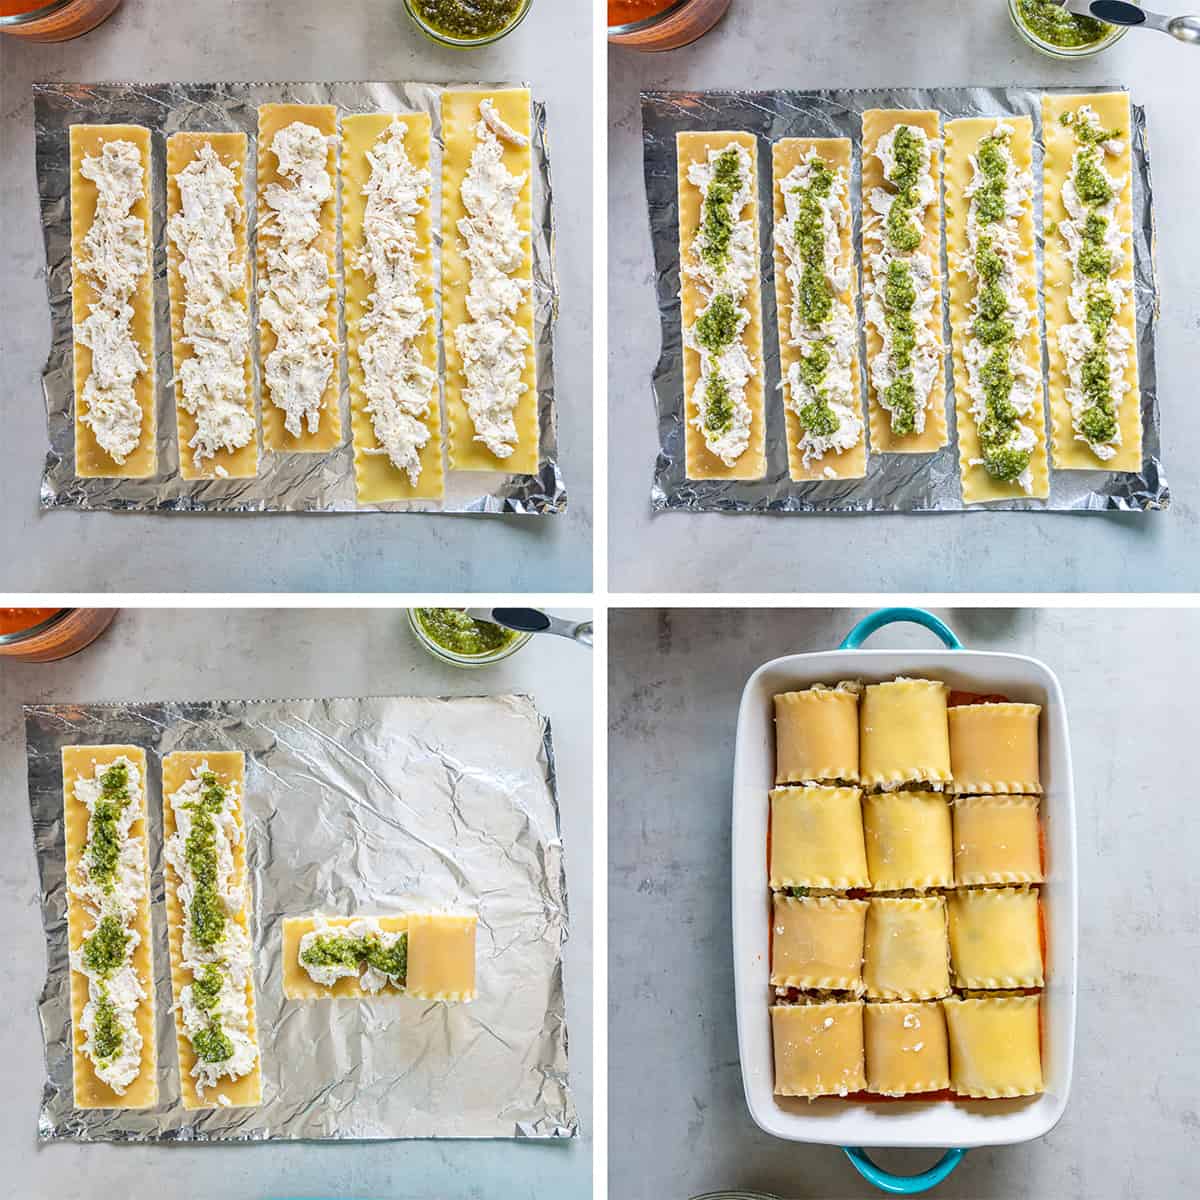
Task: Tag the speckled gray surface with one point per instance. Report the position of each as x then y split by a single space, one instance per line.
291 39
859 43
679 1123
257 653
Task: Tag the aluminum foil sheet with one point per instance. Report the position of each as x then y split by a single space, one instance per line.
352 806
286 482
894 482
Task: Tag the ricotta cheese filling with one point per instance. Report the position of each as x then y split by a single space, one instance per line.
724 267
1094 346
398 386
110 883
899 290
297 286
1004 388
492 344
115 249
329 953
216 323
819 388
216 948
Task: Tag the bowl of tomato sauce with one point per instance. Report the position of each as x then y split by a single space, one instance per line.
661 24
48 634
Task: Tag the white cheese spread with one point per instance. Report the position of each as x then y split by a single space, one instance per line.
492 344
372 979
115 250
297 287
216 322
398 385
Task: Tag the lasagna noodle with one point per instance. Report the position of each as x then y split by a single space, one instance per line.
996 840
995 939
816 735
995 1046
441 956
229 766
906 1048
271 119
1112 108
875 123
817 838
230 148
962 141
818 1049
904 736
817 943
79 762
91 460
299 985
994 748
460 115
905 952
701 462
376 479
785 155
908 841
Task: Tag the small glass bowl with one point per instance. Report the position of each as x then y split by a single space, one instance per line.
65 632
442 654
444 39
1063 52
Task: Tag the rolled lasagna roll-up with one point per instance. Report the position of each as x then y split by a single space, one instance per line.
904 737
994 749
816 734
818 1049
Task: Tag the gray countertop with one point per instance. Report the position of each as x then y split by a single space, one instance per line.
275 40
679 1123
860 43
198 654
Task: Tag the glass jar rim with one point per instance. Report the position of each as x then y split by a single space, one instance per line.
644 23
21 635
1084 51
36 14
464 660
445 39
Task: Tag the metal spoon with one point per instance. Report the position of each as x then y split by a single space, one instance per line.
533 620
1118 12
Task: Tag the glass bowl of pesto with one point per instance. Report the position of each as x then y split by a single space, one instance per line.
467 24
1048 27
453 637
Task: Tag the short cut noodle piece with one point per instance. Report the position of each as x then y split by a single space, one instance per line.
817 838
906 1047
441 956
996 840
905 955
817 943
995 938
995 1046
994 748
818 1049
816 735
908 841
904 736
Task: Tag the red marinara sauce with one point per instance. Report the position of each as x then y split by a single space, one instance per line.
14 620
661 24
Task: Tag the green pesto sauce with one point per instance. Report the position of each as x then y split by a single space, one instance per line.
467 18
719 324
1053 24
718 405
206 987
903 232
716 232
341 950
899 297
797 893
104 850
104 950
207 913
106 1029
452 629
212 1044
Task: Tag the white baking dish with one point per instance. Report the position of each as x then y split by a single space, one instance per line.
944 1123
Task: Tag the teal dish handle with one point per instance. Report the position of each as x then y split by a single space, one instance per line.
890 616
904 1185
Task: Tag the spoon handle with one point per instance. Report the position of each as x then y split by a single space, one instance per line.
1118 12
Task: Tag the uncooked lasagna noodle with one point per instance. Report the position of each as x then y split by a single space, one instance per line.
114 407
211 344
293 380
733 303
905 954
996 840
86 914
908 841
1102 402
924 257
995 938
817 838
995 1045
298 984
816 735
228 771
817 942
818 1048
994 748
441 956
906 1047
486 160
904 736
991 250
393 356
820 368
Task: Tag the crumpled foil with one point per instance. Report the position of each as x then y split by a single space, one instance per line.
894 482
353 806
286 482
